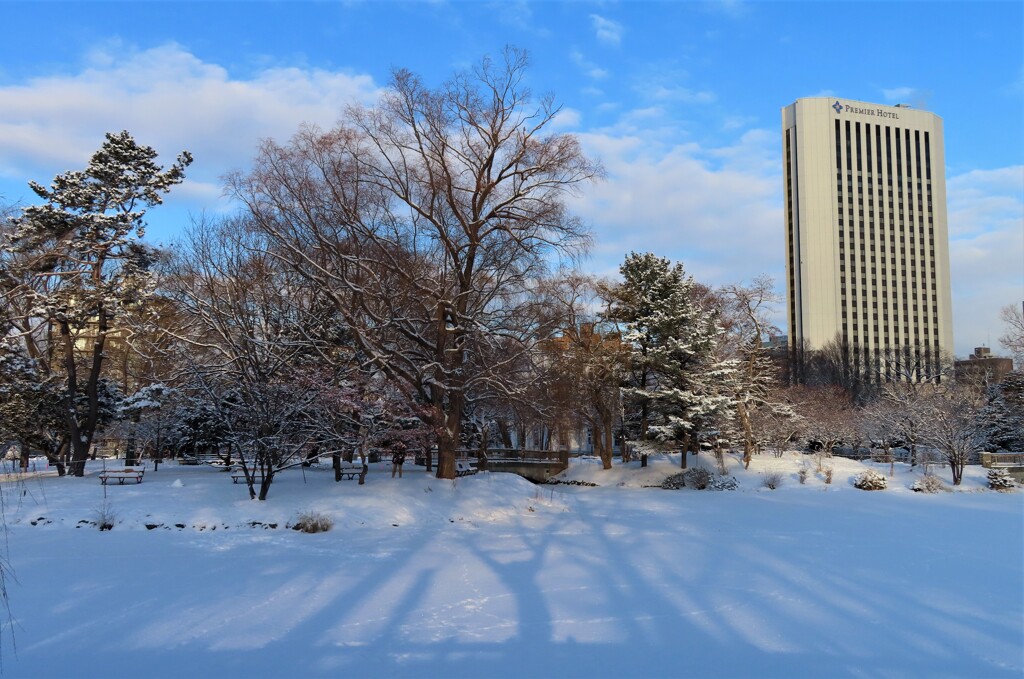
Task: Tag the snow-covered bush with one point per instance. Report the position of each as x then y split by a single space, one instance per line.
1000 479
313 522
870 480
771 480
105 517
698 478
674 482
724 483
929 483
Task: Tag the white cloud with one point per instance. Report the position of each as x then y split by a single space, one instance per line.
717 210
566 119
171 100
591 69
907 95
986 252
681 94
608 31
737 122
898 94
518 14
664 82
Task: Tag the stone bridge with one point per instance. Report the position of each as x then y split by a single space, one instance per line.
534 465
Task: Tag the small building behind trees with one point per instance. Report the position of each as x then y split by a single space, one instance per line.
983 367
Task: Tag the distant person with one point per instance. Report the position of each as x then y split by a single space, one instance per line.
397 458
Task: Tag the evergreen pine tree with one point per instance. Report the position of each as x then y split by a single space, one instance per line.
74 264
676 383
1004 414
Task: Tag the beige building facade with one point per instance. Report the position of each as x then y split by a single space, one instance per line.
867 246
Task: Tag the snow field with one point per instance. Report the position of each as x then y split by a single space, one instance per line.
493 576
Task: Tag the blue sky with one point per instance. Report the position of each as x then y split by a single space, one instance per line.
680 100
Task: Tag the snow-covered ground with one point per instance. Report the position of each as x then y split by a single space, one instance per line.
493 576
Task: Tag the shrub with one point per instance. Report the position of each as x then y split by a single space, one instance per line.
802 475
828 475
929 483
105 517
1000 479
313 522
871 480
724 483
698 478
674 482
771 480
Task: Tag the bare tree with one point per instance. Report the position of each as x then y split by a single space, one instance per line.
912 381
780 424
245 333
954 427
425 220
828 415
745 317
882 423
1013 338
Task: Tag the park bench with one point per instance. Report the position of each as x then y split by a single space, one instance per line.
464 468
122 475
240 477
350 471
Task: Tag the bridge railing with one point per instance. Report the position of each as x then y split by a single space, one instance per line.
497 455
1002 460
516 455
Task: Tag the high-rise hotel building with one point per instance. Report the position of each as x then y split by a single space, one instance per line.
867 250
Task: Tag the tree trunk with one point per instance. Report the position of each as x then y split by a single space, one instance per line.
597 436
609 438
131 455
79 453
684 449
484 441
57 458
448 441
446 446
748 434
336 465
268 478
956 465
505 434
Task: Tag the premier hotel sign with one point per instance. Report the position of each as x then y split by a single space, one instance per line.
860 110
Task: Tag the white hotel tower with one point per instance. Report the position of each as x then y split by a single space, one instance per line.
867 250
